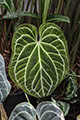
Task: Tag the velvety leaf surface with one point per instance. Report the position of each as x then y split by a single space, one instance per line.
5 86
49 111
25 111
38 63
65 107
70 86
58 18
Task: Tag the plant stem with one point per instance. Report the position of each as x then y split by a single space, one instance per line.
3 113
18 11
61 6
66 13
75 50
27 98
67 6
45 11
42 3
74 24
32 4
58 8
22 6
28 4
6 38
72 75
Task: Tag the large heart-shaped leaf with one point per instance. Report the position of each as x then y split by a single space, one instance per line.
25 111
38 63
4 84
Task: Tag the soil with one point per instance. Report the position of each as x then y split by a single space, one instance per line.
74 111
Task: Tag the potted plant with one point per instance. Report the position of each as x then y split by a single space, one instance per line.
40 63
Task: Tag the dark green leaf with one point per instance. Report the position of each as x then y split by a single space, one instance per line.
21 14
58 18
65 107
70 86
7 4
43 61
46 6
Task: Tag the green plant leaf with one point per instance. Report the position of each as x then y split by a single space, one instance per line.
70 86
2 64
49 110
79 21
23 111
7 4
41 4
46 6
69 89
78 117
38 66
65 107
5 86
58 18
44 110
21 14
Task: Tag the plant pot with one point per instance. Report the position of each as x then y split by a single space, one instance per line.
12 100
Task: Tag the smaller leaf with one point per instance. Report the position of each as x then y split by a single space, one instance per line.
7 4
70 87
23 111
65 107
21 14
42 7
5 86
2 66
49 111
46 6
58 18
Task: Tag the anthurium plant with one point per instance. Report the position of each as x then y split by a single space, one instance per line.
38 65
39 61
